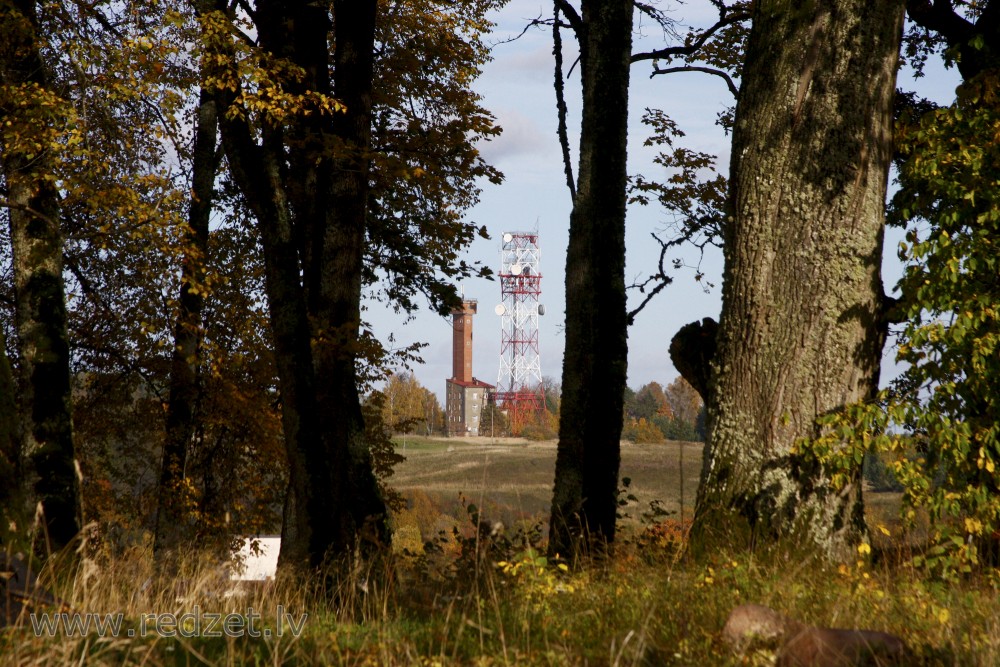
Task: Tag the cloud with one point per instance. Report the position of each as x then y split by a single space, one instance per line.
522 137
534 63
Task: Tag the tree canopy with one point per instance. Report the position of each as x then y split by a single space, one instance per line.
158 151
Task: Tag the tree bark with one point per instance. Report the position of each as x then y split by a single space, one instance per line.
9 457
259 178
336 305
37 246
186 358
801 329
692 350
584 504
800 333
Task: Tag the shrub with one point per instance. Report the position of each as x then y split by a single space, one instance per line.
640 430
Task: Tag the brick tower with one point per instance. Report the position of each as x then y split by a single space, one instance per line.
465 395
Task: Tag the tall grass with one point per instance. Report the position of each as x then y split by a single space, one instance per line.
494 600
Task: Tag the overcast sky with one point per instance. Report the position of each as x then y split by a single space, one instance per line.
517 88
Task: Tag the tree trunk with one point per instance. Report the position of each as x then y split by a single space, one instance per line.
584 504
335 300
307 184
37 245
801 331
9 457
186 359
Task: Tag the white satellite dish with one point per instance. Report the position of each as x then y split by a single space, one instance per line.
541 309
507 238
500 310
515 269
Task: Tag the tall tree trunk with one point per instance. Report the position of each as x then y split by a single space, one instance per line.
9 457
186 359
37 245
801 330
308 186
259 177
584 503
335 301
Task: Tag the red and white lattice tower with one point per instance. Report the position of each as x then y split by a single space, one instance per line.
518 390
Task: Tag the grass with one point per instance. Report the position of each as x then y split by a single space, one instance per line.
497 602
516 475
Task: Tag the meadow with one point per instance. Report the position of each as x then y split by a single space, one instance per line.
510 479
454 593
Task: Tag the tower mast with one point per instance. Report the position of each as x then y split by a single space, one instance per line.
519 390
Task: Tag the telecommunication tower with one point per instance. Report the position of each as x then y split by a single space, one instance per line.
518 390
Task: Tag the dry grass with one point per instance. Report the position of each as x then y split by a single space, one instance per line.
497 602
518 474
644 608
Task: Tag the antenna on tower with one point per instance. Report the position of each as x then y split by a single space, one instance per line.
519 383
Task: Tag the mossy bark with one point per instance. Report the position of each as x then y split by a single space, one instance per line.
584 504
801 330
37 244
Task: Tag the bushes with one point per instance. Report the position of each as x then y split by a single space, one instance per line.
660 428
877 473
640 430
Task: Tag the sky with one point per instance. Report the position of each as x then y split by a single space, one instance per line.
517 88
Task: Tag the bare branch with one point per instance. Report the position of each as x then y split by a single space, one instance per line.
6 203
95 296
575 22
533 23
660 278
697 68
561 102
692 48
573 66
658 16
92 10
